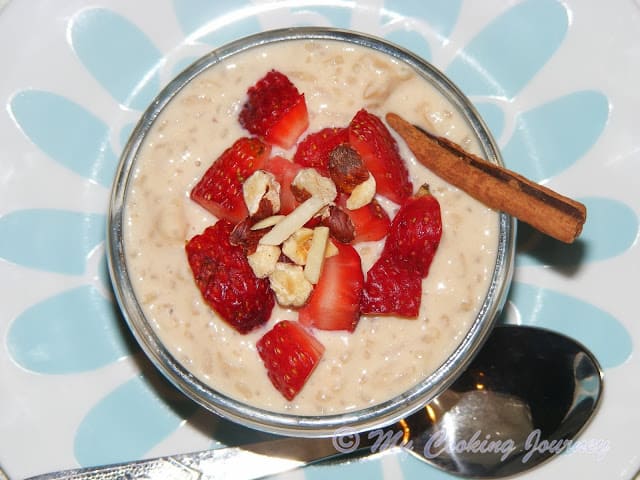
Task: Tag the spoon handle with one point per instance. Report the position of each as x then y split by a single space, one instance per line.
246 462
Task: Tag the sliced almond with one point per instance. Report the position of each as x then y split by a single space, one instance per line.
267 222
289 284
263 260
296 247
311 181
362 194
316 254
261 193
292 222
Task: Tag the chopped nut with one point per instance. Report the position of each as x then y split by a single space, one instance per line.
296 247
311 181
261 192
267 222
346 168
242 235
290 285
362 194
340 225
292 222
263 260
316 254
300 194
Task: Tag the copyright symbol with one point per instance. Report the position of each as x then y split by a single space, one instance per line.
346 440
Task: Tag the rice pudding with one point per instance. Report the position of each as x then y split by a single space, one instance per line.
384 356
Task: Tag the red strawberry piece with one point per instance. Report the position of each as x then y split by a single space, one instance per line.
393 284
334 303
379 152
415 232
275 110
220 188
371 222
392 288
285 171
313 151
225 278
290 354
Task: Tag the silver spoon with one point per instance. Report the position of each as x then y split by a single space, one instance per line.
524 398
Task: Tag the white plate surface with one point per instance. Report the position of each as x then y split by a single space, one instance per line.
557 81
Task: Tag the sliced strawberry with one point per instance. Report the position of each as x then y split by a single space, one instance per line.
334 303
415 232
275 110
392 288
290 354
379 152
226 280
313 151
220 188
284 171
370 222
393 284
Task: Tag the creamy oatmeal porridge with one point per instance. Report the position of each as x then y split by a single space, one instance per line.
384 356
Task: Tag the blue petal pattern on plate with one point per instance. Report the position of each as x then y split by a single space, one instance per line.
125 133
598 330
368 468
491 66
493 116
129 421
102 273
67 133
553 136
413 468
118 54
610 230
76 331
441 16
228 434
219 22
183 64
50 240
411 40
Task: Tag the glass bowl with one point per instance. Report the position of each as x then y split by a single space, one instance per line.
288 423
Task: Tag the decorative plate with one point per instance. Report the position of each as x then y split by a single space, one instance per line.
555 80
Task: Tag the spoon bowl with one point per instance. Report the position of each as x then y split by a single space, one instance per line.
523 400
526 396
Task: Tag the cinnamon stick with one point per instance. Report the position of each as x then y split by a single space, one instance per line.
497 187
